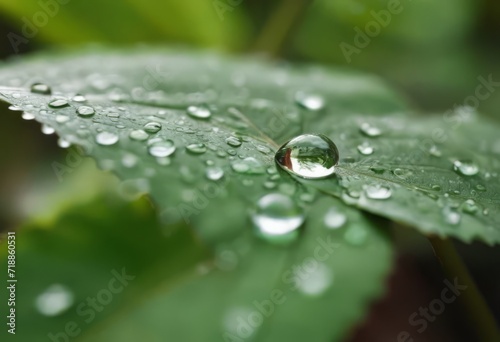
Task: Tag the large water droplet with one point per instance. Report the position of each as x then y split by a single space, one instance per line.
377 191
138 135
40 88
199 112
152 127
85 111
107 138
58 103
465 167
277 218
334 219
196 148
55 300
309 101
370 130
162 148
27 116
308 156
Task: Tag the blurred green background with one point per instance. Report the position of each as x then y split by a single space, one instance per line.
433 52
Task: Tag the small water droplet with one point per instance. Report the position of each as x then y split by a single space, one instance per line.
199 112
162 148
334 218
377 191
451 216
138 135
402 173
40 88
248 165
58 103
63 143
277 218
79 98
465 168
436 187
129 160
233 141
196 148
434 151
85 111
27 116
470 206
152 127
214 173
316 281
107 138
309 101
55 300
308 156
365 149
46 129
480 187
370 130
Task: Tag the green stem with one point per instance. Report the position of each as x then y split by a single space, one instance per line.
477 311
280 26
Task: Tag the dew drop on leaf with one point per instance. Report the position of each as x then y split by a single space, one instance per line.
214 173
79 98
465 168
85 111
28 116
309 101
107 138
308 156
199 112
369 130
233 142
379 192
248 165
334 218
277 218
46 129
365 149
58 103
356 235
138 135
470 206
152 127
196 148
55 300
315 281
40 88
162 148
451 215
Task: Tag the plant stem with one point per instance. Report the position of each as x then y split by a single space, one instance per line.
477 311
280 26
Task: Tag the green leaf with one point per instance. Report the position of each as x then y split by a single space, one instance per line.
82 250
255 103
250 104
86 244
